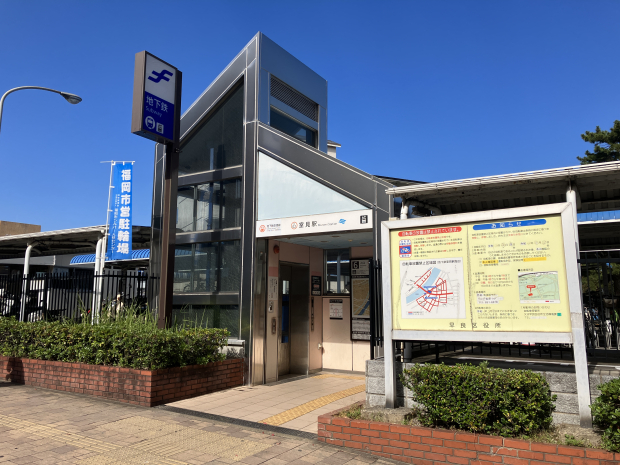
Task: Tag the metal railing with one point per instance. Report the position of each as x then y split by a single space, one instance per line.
600 283
56 296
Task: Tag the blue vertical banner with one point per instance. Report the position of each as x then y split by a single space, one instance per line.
120 214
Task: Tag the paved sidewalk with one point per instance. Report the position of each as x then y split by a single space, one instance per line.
48 427
295 403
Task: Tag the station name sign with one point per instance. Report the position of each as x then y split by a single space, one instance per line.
312 224
154 98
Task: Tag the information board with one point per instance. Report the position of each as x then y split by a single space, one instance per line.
360 300
507 275
489 276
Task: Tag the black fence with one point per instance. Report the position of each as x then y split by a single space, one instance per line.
600 286
50 296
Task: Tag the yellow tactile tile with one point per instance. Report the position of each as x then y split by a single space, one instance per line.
308 407
161 440
327 375
56 434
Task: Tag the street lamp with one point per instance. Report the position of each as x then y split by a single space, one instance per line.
71 98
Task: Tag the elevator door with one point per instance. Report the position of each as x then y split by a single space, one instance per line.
294 320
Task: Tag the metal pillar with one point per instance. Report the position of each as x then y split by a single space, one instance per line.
95 307
169 210
577 325
22 306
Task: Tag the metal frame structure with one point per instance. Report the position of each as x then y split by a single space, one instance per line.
260 59
571 252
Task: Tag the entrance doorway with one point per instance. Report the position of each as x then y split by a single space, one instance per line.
293 331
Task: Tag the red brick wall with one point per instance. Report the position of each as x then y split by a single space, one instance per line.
429 446
142 387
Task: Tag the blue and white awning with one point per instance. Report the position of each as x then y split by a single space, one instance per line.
140 254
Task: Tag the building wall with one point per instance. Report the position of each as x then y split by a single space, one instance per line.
8 228
254 66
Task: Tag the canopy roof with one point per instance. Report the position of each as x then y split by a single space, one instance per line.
65 241
598 186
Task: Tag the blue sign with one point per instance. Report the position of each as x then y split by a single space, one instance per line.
159 98
119 219
509 224
158 116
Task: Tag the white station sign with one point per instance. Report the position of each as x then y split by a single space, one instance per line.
313 224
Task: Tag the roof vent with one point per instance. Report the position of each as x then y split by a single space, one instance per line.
286 94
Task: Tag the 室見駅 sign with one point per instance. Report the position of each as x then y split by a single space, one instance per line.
312 224
498 275
154 98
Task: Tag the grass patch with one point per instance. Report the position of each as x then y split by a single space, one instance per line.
354 413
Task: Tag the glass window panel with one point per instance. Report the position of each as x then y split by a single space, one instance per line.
183 269
231 266
204 207
230 204
185 209
218 143
208 316
289 126
218 205
337 272
206 267
284 192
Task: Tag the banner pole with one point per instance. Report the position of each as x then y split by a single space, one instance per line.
101 265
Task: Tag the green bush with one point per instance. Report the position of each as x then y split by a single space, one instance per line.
481 399
119 343
606 411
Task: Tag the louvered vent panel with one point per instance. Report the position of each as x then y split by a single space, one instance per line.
293 99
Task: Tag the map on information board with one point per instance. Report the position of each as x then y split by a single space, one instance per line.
540 287
433 289
360 305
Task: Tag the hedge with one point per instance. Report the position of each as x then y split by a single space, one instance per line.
606 411
481 399
139 346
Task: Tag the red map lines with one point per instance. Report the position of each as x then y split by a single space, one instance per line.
434 295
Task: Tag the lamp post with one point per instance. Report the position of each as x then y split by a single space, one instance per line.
71 98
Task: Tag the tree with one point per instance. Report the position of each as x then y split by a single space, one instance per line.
606 145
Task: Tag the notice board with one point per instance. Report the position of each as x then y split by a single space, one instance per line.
491 276
495 276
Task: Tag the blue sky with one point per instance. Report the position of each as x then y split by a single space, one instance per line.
426 90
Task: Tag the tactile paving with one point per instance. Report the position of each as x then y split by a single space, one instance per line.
308 407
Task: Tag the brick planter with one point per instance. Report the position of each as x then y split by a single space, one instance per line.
141 387
432 446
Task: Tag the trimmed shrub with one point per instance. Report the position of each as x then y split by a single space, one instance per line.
481 399
140 346
606 411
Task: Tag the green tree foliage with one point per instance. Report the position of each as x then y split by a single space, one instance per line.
606 145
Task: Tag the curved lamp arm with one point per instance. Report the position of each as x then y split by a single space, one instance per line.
71 98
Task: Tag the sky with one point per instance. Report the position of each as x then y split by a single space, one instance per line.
425 90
